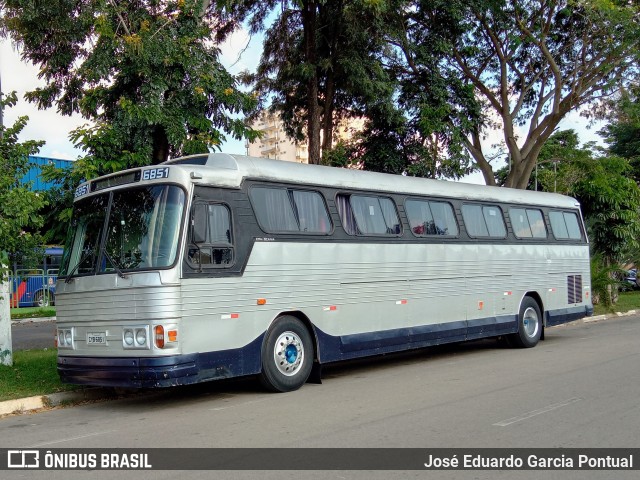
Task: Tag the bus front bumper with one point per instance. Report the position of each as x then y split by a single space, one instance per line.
156 372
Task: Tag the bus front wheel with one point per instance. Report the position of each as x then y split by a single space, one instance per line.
529 325
287 355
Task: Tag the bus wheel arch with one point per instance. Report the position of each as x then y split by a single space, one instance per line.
530 322
288 353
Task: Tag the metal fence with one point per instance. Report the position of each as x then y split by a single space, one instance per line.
33 288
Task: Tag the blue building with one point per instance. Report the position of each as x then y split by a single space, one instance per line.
34 174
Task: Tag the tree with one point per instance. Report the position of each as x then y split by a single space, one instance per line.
393 143
530 63
319 64
145 73
563 147
19 212
609 199
622 133
437 108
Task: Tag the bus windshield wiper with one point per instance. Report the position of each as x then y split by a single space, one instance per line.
114 264
86 255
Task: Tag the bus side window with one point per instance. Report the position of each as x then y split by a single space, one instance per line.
368 215
285 210
565 225
484 221
212 237
431 218
527 223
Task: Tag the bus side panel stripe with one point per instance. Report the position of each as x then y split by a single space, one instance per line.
335 348
564 315
492 326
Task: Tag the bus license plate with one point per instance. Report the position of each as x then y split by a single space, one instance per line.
96 338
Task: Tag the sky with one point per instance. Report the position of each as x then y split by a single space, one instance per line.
240 52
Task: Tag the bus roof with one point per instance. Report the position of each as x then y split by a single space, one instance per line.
290 172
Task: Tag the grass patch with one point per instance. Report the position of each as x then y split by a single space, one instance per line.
31 312
33 373
626 301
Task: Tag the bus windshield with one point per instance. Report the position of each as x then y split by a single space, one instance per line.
142 231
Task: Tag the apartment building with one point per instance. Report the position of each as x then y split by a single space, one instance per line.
277 145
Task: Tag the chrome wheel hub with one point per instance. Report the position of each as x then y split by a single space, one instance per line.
530 322
288 353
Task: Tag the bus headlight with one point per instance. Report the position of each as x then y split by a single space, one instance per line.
65 338
128 337
141 337
136 337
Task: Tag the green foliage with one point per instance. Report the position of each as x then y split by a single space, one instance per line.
391 143
34 372
562 149
146 74
623 132
626 301
32 312
20 216
610 201
604 281
338 156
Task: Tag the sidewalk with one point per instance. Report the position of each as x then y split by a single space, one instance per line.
24 405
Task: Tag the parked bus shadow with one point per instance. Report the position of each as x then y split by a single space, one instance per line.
226 389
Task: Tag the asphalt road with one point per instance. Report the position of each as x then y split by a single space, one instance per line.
28 335
578 388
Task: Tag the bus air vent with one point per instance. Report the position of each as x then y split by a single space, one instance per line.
574 288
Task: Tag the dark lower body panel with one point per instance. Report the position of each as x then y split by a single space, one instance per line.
147 372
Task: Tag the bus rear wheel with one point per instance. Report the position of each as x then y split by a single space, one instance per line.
529 325
287 355
42 300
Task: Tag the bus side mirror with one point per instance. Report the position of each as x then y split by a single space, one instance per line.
199 224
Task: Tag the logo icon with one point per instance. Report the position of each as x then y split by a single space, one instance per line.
23 459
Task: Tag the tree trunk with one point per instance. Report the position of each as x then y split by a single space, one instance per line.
160 146
309 15
327 112
331 25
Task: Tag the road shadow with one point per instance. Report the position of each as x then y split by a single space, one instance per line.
250 388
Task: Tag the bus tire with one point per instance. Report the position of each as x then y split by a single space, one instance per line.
42 300
287 355
529 325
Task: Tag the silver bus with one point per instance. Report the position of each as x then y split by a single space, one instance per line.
215 266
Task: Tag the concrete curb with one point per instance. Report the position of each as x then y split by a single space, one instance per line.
20 321
599 318
23 405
